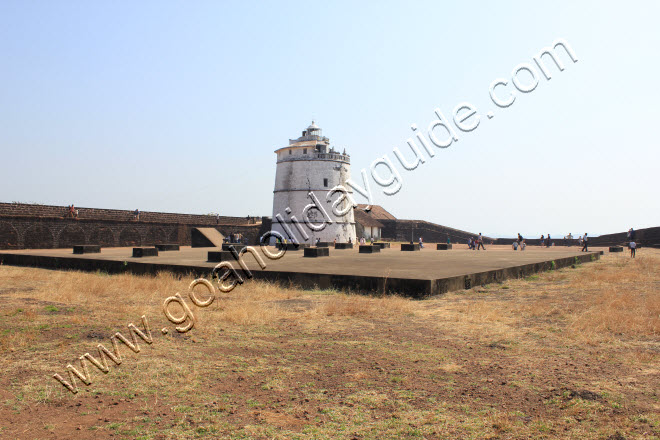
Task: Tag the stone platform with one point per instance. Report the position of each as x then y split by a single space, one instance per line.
415 274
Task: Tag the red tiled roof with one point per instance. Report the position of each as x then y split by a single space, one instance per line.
366 219
376 212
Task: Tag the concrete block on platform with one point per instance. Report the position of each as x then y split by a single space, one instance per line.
316 252
145 252
368 249
86 249
167 247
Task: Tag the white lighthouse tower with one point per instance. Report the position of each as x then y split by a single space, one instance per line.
308 165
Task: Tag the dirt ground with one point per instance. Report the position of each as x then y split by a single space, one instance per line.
572 353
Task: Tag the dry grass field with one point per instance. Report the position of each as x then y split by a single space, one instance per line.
573 353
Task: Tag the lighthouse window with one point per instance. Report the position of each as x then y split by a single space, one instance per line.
325 182
289 151
304 150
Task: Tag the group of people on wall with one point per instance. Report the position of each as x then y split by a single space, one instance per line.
477 243
235 238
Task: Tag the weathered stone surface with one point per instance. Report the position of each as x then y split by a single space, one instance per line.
382 244
317 252
323 244
167 247
218 256
368 249
86 249
409 247
616 248
343 245
417 275
139 252
443 247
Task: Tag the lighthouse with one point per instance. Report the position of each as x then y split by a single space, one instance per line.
310 178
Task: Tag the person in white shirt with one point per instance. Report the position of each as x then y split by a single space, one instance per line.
480 242
585 242
633 246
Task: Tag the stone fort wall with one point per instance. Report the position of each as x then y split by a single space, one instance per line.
28 226
647 237
401 230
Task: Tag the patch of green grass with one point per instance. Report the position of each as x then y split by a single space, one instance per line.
253 403
51 309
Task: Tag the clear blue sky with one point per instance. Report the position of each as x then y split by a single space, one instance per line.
178 106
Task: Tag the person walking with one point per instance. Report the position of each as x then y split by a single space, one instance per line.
421 243
633 246
542 240
523 245
585 243
548 243
480 242
520 239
